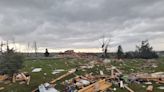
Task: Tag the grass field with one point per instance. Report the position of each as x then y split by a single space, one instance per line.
48 65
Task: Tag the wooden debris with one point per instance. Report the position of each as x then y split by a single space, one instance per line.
14 79
28 81
65 75
149 88
101 85
2 88
3 77
129 89
21 77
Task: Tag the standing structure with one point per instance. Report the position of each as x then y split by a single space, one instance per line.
35 48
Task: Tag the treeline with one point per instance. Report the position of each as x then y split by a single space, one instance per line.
144 51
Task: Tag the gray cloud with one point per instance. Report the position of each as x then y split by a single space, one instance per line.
81 23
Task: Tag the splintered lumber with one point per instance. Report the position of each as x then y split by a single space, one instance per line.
28 81
65 75
2 88
149 88
129 89
3 77
112 73
101 85
35 90
118 71
24 77
13 79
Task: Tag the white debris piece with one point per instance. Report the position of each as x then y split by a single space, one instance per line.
107 61
121 84
57 71
72 71
158 74
47 88
85 82
60 70
114 89
87 66
148 83
37 70
161 87
101 72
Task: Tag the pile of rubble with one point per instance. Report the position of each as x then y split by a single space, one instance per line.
90 82
22 78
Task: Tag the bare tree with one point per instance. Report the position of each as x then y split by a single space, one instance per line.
105 45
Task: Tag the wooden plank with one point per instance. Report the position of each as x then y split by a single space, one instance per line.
53 81
61 77
101 85
23 76
28 81
149 88
13 79
129 89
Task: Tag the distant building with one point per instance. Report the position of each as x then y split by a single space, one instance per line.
69 52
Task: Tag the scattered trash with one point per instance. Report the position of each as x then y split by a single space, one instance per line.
72 71
2 88
148 83
149 88
46 87
23 77
101 82
86 66
101 72
143 86
114 89
121 84
154 66
37 70
45 74
129 89
68 73
22 82
161 87
7 82
107 61
100 85
82 82
57 71
3 77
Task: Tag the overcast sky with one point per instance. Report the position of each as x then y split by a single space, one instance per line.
80 24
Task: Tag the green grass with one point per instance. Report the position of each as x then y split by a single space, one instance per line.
38 78
48 65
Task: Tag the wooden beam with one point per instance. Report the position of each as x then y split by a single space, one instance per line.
100 85
61 77
53 81
28 80
14 79
149 88
129 89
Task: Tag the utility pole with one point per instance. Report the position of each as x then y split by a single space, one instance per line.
35 48
7 44
28 47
